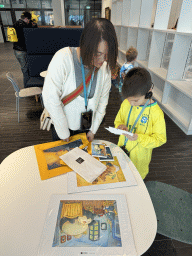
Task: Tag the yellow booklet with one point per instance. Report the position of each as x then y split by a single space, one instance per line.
49 163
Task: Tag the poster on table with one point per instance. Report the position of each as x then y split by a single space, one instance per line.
47 154
87 225
118 174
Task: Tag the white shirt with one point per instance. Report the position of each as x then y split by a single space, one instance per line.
60 81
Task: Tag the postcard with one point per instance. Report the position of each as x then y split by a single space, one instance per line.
109 155
84 164
118 131
52 154
98 150
87 225
115 176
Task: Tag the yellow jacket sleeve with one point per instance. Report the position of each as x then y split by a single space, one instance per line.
121 116
158 136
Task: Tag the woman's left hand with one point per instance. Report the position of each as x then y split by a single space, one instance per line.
133 138
90 136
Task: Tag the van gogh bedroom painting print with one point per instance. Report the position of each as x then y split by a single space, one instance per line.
87 223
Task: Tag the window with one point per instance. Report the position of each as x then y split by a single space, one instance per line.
6 18
18 3
33 4
81 11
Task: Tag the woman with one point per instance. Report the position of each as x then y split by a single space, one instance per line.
96 56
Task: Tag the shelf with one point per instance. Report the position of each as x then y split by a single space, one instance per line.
160 72
163 52
157 98
143 63
146 28
183 86
178 118
124 52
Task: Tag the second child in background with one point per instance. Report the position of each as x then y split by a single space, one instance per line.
131 56
115 79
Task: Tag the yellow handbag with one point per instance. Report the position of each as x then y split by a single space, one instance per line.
12 35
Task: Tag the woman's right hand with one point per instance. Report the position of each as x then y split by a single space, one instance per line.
122 127
67 140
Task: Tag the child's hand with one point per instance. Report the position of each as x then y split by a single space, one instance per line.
133 138
122 127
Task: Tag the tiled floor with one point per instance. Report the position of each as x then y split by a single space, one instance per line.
171 163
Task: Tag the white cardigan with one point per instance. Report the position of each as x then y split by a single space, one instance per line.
60 81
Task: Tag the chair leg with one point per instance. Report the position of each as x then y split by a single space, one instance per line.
36 98
41 99
18 109
16 103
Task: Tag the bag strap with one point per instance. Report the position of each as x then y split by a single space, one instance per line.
71 96
143 108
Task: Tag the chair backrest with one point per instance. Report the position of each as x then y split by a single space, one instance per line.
14 82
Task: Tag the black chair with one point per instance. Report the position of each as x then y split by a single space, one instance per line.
42 44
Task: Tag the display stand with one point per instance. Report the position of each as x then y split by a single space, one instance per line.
165 53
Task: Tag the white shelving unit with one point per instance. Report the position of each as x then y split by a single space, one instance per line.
166 53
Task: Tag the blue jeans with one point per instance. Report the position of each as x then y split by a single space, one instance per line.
22 58
115 83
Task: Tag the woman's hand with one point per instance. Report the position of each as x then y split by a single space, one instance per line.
122 127
90 136
123 75
67 140
132 138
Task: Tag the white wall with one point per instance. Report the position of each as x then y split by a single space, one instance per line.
105 3
58 12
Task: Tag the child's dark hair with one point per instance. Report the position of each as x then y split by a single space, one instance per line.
137 82
131 54
26 15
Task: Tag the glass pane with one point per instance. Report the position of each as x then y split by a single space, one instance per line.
49 20
188 66
18 3
88 10
18 15
167 50
34 4
46 4
5 30
73 17
5 4
6 18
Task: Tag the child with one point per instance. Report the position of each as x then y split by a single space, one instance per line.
150 130
115 76
131 56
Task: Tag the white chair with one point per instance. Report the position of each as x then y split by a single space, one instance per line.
26 92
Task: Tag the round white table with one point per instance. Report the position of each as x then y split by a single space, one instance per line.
25 198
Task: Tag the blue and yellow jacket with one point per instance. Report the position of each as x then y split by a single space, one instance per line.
151 130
